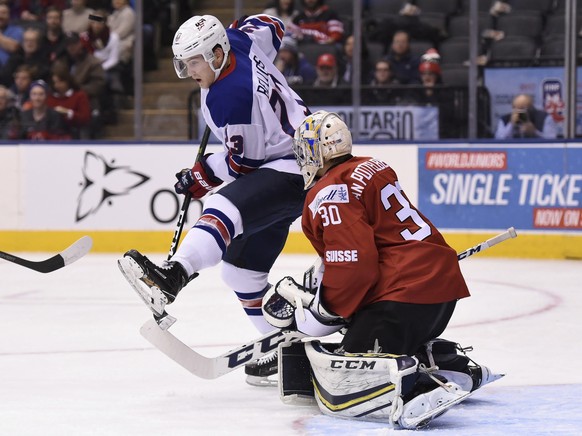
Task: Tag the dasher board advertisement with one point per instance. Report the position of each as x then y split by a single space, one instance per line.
530 187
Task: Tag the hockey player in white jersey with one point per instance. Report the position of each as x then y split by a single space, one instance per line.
248 105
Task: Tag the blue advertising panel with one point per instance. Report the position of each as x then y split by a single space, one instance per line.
527 187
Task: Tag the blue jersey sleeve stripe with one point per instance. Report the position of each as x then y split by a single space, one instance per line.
276 26
276 22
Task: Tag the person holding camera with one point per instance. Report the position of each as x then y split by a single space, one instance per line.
525 121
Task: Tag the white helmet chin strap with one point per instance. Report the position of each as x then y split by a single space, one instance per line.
219 69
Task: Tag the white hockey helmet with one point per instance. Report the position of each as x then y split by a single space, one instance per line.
321 137
198 36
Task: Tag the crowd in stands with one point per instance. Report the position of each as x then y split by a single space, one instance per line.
64 66
422 44
79 53
511 33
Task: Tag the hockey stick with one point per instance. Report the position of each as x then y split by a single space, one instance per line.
166 320
155 297
187 197
214 367
69 255
508 234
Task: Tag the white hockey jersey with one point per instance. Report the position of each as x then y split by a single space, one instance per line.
250 107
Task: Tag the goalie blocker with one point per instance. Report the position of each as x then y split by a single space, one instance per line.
407 392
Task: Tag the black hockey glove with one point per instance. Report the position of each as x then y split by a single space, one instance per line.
199 180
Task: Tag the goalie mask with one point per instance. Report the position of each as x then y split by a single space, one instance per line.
198 36
322 136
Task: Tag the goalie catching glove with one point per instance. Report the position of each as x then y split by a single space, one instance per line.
199 180
290 306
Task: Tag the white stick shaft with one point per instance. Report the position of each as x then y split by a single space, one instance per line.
508 234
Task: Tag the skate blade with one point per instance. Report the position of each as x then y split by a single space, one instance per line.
154 299
488 376
262 382
426 418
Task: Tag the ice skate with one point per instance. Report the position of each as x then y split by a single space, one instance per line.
482 376
421 410
157 286
259 371
451 361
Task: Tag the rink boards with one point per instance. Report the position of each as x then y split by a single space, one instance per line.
121 194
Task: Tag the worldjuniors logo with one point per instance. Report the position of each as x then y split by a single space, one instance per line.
102 181
445 160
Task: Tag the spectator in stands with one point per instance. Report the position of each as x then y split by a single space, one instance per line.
32 10
381 89
430 76
76 18
10 35
327 71
433 93
71 102
21 87
9 115
525 121
105 45
383 75
346 67
296 69
408 20
326 84
88 73
122 22
31 54
317 23
285 10
41 122
404 63
53 41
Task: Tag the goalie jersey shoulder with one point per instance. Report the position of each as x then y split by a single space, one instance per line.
348 181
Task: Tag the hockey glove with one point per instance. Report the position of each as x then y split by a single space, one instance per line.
199 180
284 307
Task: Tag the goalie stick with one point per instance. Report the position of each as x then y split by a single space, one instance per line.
155 298
69 255
214 367
508 234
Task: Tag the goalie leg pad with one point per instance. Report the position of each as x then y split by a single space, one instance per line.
295 385
360 386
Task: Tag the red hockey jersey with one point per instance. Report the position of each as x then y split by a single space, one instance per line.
375 245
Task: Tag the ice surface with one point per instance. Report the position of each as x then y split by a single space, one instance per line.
72 361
